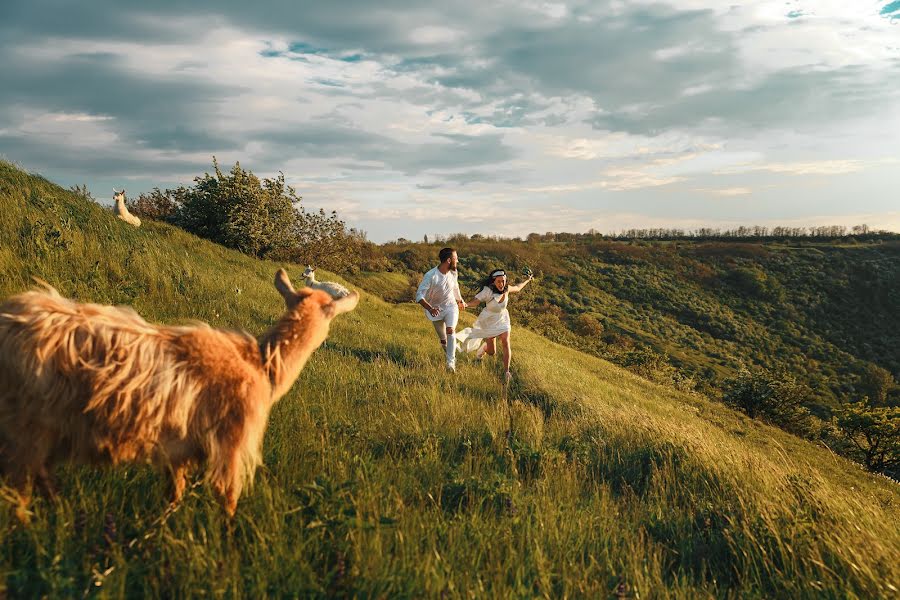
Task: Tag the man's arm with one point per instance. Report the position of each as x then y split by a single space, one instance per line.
458 294
422 290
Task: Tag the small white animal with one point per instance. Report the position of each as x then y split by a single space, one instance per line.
122 211
335 290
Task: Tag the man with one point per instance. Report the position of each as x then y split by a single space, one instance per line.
440 297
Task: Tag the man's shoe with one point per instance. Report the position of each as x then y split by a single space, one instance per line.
451 367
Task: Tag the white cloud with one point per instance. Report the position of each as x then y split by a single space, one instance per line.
431 34
728 192
822 167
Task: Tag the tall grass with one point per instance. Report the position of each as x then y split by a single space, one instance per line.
386 477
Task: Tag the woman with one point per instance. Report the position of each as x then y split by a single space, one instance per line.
493 322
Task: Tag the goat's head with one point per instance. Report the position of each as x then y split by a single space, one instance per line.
296 300
119 195
309 271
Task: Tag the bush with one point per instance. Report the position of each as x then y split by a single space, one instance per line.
776 398
588 325
239 210
263 218
157 205
655 366
872 435
877 383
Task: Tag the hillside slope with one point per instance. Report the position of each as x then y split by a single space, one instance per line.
824 311
386 477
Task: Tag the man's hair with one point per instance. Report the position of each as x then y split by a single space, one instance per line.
445 253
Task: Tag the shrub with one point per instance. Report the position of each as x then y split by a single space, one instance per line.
773 397
157 205
239 210
872 435
263 218
588 325
877 383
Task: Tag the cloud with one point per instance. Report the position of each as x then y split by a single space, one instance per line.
824 167
727 192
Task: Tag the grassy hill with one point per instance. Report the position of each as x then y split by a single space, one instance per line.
824 311
385 477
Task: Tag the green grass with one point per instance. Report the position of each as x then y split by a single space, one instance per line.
385 477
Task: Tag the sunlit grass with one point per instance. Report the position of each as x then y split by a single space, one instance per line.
386 477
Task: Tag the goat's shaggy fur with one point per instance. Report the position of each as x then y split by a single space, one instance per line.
99 385
121 209
332 288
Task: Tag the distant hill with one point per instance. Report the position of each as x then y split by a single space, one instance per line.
386 477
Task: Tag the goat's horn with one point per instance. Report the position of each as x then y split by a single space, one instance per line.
115 191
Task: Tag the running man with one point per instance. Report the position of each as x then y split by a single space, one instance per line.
439 295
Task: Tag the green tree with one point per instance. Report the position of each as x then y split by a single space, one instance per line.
873 435
877 383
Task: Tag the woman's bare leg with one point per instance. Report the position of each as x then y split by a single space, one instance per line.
490 349
507 350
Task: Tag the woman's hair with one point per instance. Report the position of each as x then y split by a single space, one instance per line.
489 280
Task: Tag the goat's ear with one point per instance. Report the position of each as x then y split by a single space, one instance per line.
342 305
283 285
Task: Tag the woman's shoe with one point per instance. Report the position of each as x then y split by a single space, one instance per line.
508 377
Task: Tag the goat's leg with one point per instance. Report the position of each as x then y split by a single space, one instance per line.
229 483
178 480
41 462
46 483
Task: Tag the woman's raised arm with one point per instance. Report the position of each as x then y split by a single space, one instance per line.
516 288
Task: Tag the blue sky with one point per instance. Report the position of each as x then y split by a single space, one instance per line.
479 117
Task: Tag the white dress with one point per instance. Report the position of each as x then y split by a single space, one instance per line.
492 321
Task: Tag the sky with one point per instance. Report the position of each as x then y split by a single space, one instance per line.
499 118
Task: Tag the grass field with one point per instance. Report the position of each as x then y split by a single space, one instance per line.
386 477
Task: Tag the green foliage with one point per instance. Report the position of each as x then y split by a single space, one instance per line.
588 325
240 211
774 397
873 435
261 218
877 383
82 191
158 205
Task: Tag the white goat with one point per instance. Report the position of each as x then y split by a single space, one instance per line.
335 290
122 211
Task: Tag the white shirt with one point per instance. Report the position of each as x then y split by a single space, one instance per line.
439 289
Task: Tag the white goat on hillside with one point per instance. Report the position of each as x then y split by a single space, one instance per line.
335 290
122 211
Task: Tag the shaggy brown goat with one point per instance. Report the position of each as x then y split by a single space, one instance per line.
99 385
